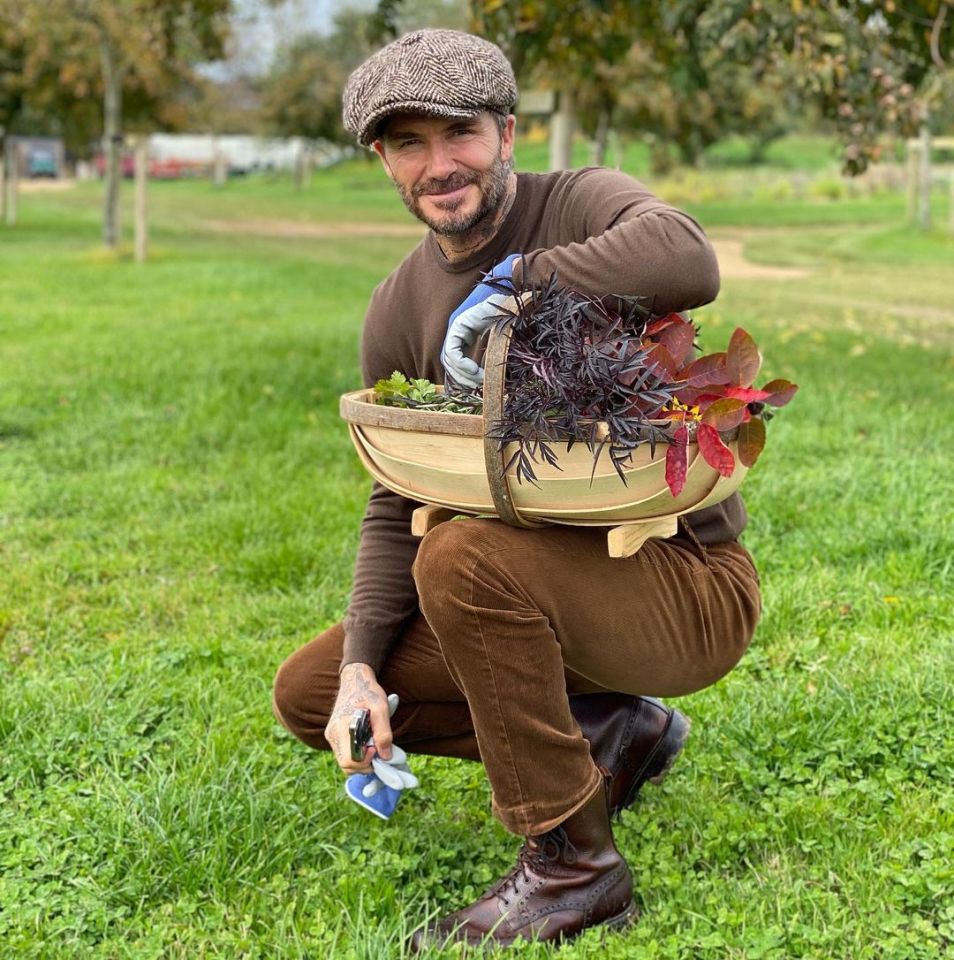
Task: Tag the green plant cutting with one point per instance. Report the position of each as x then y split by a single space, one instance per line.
418 393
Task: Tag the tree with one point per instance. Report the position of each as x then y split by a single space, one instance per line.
302 91
13 55
646 64
41 91
573 46
871 66
681 68
302 94
51 84
131 53
231 104
392 18
683 93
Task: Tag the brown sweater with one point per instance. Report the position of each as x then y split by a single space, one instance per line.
602 232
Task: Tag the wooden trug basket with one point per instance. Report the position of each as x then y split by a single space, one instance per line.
447 461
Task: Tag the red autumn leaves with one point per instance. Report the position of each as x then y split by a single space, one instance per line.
715 397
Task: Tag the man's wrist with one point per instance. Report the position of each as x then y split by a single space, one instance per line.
356 666
502 273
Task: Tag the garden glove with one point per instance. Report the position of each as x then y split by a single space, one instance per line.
394 773
381 790
472 319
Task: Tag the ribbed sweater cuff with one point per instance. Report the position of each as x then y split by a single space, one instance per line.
366 643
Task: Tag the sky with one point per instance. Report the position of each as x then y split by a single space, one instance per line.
260 27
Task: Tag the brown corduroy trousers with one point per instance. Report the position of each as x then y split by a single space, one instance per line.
512 621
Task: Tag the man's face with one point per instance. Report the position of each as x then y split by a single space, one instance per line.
451 174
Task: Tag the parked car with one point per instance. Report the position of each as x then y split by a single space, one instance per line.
41 163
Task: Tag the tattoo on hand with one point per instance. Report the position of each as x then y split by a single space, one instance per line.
355 691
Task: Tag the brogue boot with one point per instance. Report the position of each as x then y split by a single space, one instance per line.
632 740
564 882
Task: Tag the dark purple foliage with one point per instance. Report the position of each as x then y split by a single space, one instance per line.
576 363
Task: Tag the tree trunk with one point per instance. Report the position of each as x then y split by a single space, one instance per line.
758 148
220 167
690 150
298 169
616 141
12 183
660 158
112 140
308 163
601 138
561 132
141 226
912 167
3 176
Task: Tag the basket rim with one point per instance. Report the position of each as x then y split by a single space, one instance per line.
358 407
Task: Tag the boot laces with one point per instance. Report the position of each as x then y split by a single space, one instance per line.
537 854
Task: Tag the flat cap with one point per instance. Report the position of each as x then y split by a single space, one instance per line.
440 73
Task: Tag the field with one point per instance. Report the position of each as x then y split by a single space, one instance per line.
179 506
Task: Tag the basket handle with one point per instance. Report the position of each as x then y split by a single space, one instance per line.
495 456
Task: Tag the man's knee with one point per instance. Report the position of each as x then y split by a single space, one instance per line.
450 552
287 696
467 567
304 691
436 551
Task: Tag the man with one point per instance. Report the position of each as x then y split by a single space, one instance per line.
530 650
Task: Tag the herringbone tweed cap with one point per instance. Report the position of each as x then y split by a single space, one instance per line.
441 73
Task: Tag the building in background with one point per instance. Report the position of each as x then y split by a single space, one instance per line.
178 155
37 157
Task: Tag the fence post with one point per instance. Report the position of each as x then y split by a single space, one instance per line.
307 164
219 163
924 179
911 174
141 227
950 205
561 132
298 167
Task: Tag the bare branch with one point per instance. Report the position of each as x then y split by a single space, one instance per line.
936 37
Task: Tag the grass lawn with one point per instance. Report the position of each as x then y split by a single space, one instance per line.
179 506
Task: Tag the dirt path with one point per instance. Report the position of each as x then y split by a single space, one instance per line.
294 229
733 264
44 186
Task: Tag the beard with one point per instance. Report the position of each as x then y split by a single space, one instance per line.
491 183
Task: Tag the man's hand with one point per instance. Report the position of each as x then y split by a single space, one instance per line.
359 688
464 331
471 319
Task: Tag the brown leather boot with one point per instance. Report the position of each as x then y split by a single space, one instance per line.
632 740
565 881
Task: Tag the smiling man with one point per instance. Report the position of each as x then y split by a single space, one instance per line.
454 175
529 650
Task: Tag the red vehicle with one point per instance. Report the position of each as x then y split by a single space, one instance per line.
127 161
168 169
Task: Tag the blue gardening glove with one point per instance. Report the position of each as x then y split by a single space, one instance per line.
462 334
472 319
380 791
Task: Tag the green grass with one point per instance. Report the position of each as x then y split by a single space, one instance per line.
179 512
